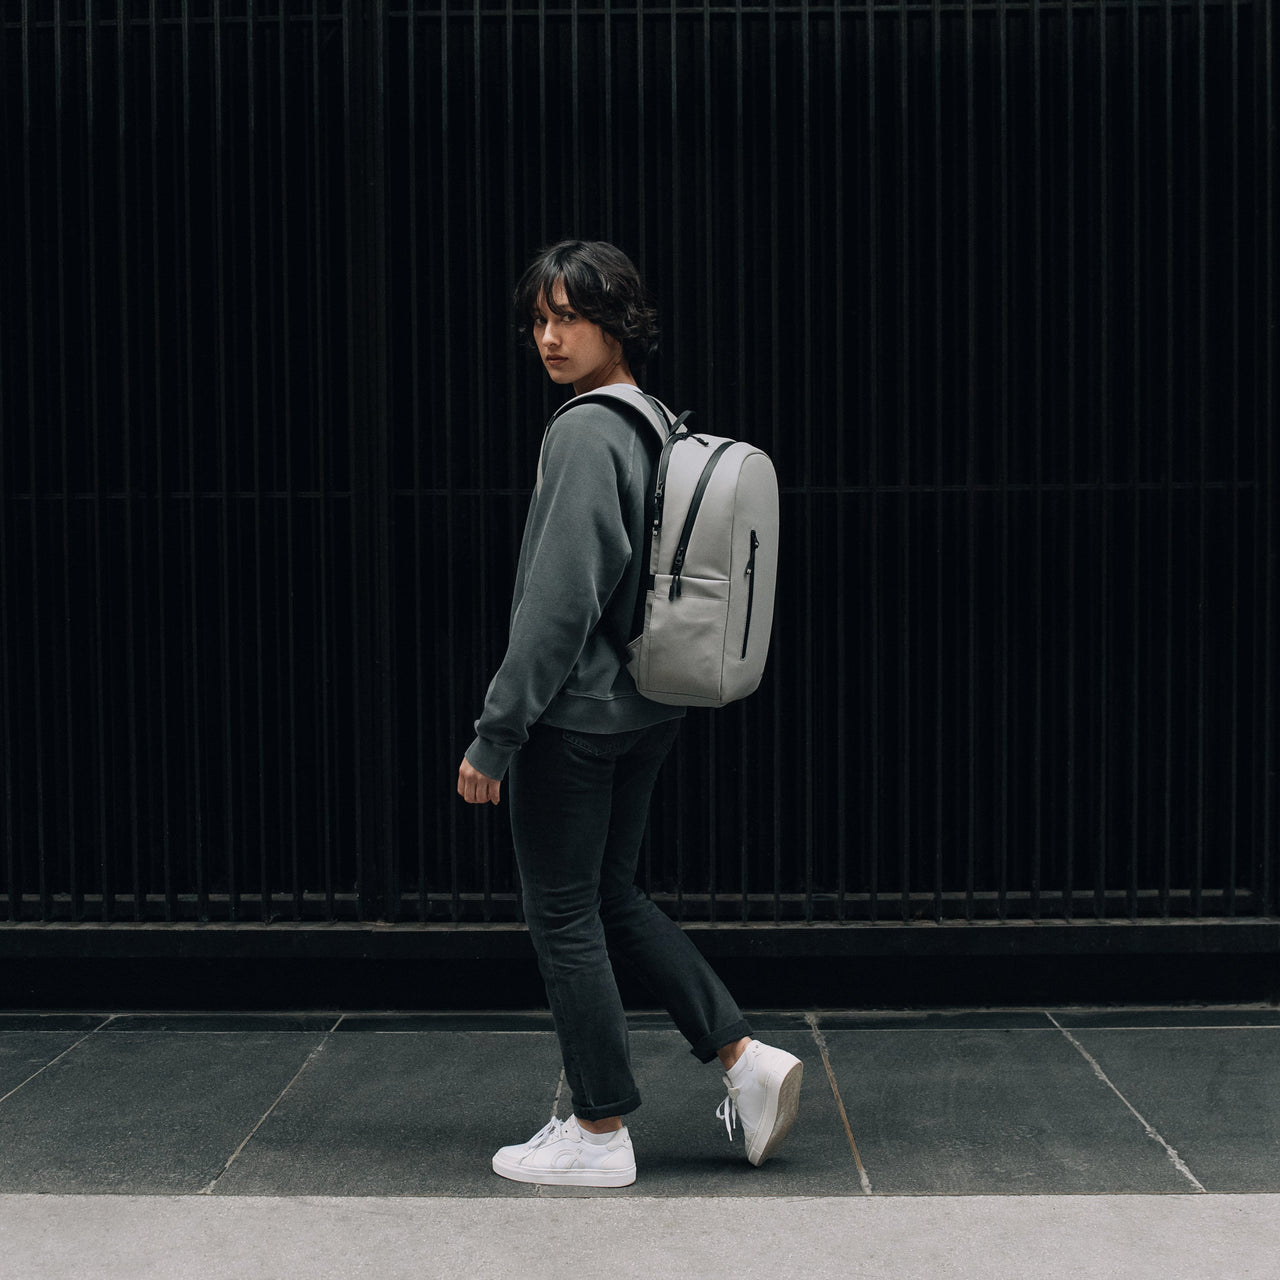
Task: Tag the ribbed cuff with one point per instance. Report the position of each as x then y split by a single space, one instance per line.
492 760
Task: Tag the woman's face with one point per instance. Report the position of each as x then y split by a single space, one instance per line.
575 350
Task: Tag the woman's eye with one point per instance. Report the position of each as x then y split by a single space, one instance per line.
568 317
538 321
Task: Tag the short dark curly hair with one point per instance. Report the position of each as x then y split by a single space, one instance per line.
601 284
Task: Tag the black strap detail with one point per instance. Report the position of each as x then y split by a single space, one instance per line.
677 563
606 626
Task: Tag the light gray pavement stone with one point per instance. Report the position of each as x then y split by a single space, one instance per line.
1191 1237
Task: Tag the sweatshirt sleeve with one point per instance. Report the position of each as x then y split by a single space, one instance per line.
576 549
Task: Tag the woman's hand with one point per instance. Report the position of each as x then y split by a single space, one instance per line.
475 787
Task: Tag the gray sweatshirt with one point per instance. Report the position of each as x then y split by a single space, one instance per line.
583 542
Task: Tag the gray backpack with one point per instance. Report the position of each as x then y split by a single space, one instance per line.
702 619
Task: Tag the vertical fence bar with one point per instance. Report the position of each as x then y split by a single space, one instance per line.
516 429
606 58
946 641
223 366
192 649
130 764
1037 403
1103 649
1137 652
74 880
415 451
259 764
843 840
324 501
8 830
1166 834
289 511
1269 349
446 398
370 468
1233 782
98 776
808 834
1004 723
479 395
971 476
906 832
940 485
1197 885
1072 397
158 616
355 71
873 401
38 685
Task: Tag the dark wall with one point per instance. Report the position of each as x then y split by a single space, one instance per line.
994 284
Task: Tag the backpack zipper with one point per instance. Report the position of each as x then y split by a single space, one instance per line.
751 591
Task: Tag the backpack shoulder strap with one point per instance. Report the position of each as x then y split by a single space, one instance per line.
639 406
632 400
633 403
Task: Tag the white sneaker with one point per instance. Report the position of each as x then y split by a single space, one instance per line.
764 1093
559 1155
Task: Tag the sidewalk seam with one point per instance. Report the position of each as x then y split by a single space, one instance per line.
821 1041
209 1189
111 1017
1178 1163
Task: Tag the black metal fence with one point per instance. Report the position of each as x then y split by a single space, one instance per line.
995 284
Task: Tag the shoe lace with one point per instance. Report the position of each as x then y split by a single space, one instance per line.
550 1132
728 1109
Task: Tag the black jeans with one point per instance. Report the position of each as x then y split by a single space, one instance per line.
579 804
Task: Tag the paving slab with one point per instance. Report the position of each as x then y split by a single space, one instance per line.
990 1112
1212 1094
143 1112
402 1113
23 1054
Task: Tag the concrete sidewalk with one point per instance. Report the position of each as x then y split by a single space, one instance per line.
1020 1142
890 1238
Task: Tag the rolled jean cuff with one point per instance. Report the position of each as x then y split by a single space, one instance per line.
706 1048
625 1107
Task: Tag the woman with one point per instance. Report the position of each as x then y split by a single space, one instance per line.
583 748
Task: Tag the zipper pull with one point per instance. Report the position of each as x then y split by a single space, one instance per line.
676 566
751 562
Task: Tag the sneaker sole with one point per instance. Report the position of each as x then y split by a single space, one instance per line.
566 1177
779 1115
